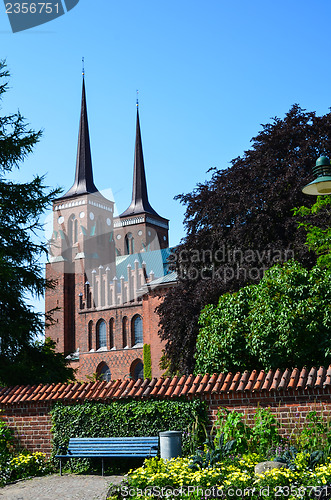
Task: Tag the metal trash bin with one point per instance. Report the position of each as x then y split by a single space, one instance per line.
170 444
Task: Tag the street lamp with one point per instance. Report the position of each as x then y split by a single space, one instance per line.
322 183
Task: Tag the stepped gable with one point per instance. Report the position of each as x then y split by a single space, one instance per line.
226 384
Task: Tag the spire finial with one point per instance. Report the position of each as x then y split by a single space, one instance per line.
83 67
137 103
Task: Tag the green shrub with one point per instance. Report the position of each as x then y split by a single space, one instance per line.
262 436
147 361
124 418
27 464
6 440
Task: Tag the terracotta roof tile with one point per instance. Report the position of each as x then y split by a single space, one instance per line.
142 386
104 393
179 387
294 379
219 383
195 385
210 385
276 380
157 386
187 385
226 383
120 389
202 384
223 383
311 377
131 385
235 382
149 388
268 381
302 378
164 387
328 377
260 381
243 381
251 381
172 386
320 377
284 380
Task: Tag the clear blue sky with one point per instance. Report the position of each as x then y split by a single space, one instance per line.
208 73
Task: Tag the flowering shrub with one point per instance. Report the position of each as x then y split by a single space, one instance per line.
27 465
15 466
24 465
228 479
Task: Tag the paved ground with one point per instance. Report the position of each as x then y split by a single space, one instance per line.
55 487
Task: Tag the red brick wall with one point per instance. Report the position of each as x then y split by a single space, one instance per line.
289 408
32 422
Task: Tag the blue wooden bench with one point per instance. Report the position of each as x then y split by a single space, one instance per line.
110 447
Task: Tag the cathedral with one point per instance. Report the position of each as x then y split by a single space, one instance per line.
108 272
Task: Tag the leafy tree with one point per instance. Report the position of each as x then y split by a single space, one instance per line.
21 273
240 223
284 321
37 363
318 238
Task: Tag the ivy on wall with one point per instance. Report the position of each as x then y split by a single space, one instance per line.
147 361
125 418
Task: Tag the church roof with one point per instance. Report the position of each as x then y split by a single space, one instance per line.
155 260
83 183
139 203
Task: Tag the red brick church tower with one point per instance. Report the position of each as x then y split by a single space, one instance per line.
107 271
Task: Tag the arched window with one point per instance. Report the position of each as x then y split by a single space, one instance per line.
90 335
125 332
75 238
72 229
137 369
129 244
137 330
111 332
104 372
101 334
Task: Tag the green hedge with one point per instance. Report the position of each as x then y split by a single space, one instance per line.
125 418
147 361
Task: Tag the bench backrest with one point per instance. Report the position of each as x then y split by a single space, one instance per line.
114 447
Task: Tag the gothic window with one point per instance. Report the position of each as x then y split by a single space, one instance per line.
125 332
137 330
75 238
90 335
129 244
104 373
101 334
72 230
111 333
137 369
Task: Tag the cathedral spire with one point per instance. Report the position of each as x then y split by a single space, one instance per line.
83 183
139 203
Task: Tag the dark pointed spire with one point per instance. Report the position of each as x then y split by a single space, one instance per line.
139 203
84 175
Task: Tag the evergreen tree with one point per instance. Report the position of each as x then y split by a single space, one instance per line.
241 223
21 247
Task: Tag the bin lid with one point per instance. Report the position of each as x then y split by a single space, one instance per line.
169 433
